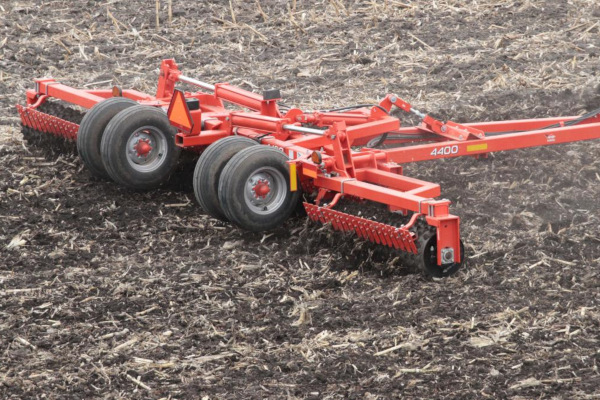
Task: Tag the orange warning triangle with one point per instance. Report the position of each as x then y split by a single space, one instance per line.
178 113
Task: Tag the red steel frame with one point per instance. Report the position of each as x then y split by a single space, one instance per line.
325 158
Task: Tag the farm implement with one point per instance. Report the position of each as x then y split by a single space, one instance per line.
257 162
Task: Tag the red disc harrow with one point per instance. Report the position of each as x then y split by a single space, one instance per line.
355 151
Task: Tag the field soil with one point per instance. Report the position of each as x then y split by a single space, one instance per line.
109 293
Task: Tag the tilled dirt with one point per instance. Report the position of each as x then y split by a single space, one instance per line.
108 293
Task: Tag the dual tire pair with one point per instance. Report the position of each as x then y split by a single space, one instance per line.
239 181
132 144
235 180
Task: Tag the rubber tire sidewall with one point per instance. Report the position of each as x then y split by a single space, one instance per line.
114 143
208 171
232 186
91 130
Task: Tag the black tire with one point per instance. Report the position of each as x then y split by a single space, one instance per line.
138 148
257 168
91 130
208 172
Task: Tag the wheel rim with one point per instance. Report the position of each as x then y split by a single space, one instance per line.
146 149
265 190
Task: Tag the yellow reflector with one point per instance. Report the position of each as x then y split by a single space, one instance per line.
477 147
293 178
117 92
178 113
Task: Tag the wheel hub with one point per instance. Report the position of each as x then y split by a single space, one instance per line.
265 190
447 255
143 147
261 188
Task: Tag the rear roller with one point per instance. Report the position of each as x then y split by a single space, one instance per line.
51 127
208 172
414 243
91 130
138 148
254 189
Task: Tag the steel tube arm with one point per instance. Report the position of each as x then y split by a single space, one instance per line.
195 82
295 128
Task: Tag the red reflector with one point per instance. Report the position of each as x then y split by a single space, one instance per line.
179 113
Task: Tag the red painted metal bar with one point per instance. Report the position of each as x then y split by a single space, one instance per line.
238 96
512 141
76 96
367 129
257 121
489 127
129 93
448 234
402 183
522 125
84 98
206 138
373 192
